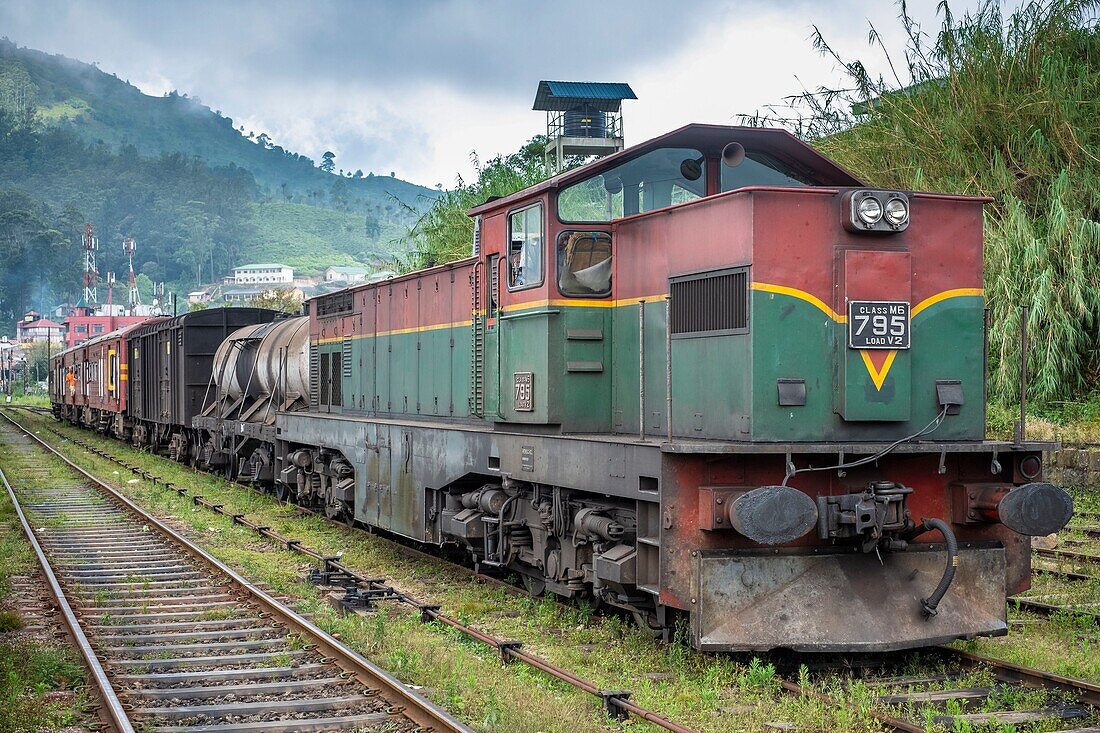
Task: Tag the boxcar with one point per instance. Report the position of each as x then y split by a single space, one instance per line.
171 363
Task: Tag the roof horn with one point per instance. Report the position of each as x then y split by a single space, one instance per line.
733 154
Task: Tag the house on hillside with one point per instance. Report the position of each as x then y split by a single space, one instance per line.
263 274
34 328
347 275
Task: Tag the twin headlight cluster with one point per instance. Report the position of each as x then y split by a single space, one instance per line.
877 211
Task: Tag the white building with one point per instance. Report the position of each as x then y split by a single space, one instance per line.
346 274
263 274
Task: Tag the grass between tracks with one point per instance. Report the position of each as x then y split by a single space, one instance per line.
708 692
41 679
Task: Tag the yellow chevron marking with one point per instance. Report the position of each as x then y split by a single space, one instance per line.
878 376
801 295
956 293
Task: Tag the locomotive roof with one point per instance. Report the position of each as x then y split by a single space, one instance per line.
707 139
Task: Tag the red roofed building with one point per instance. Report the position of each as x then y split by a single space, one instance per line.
34 328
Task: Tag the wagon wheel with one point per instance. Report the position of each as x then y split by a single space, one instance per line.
349 516
282 492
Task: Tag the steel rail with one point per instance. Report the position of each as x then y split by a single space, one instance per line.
419 709
1066 555
1088 692
112 707
891 722
616 702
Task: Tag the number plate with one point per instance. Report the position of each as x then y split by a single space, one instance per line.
878 324
524 394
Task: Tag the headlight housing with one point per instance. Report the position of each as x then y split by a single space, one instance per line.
876 212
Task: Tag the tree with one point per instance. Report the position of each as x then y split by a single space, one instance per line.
283 300
328 161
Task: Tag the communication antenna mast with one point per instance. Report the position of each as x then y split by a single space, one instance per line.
91 274
158 298
134 298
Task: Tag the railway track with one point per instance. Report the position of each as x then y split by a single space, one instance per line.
175 640
1078 700
965 693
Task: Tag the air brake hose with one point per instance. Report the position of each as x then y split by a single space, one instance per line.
929 604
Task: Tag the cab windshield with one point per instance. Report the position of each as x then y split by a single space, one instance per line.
659 178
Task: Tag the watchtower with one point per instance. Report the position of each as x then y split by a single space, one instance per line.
582 118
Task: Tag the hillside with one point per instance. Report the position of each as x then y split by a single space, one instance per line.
302 237
80 146
100 107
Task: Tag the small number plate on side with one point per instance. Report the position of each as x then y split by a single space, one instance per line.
878 324
523 399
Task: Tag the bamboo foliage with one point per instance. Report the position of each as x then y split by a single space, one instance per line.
995 106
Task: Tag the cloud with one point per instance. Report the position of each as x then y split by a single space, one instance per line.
416 86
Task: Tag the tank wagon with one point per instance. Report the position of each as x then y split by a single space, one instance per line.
714 376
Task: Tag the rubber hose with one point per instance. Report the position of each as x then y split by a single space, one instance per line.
929 604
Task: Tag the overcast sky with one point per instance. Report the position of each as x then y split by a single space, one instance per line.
416 86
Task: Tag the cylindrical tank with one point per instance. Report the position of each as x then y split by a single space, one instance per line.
585 122
234 359
265 359
282 360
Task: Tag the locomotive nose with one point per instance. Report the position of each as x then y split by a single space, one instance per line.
1036 509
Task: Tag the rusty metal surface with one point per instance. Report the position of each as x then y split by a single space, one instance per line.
765 601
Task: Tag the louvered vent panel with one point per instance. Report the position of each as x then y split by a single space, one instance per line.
314 376
337 382
326 379
347 356
711 304
335 304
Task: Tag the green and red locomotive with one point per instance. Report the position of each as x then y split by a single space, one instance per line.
712 377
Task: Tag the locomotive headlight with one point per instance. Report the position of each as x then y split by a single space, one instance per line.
896 212
869 210
875 212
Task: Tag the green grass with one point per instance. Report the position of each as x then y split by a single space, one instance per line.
708 692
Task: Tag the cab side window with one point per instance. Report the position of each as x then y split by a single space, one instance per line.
584 263
525 242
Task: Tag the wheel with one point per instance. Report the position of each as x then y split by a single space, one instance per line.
349 517
282 491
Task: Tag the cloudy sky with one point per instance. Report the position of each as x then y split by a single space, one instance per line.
416 86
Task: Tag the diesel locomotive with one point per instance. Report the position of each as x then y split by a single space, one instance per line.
713 377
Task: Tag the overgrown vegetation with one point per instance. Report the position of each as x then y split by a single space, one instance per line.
1000 106
444 232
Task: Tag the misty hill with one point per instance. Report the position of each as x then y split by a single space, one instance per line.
100 107
80 146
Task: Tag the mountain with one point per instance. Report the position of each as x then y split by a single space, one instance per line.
100 107
80 146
